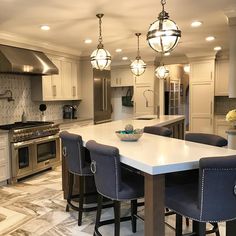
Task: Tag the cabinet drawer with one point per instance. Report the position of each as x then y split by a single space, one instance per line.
4 172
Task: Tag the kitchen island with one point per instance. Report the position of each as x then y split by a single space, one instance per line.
154 156
175 123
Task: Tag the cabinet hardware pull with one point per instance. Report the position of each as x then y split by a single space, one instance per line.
73 91
211 107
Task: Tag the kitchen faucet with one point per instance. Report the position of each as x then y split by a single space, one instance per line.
157 107
7 95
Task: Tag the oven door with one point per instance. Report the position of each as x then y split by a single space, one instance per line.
47 152
22 159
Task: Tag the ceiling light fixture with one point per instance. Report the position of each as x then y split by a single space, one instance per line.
162 72
118 50
88 41
124 58
100 58
167 54
138 66
210 38
187 68
218 48
45 27
163 34
196 24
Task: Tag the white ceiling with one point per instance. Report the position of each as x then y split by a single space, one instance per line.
72 21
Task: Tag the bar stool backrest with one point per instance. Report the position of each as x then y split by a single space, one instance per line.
210 139
217 188
105 164
73 152
158 130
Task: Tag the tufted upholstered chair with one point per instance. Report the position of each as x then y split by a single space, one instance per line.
115 183
77 158
211 199
158 130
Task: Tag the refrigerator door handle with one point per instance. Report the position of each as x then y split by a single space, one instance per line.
106 93
103 96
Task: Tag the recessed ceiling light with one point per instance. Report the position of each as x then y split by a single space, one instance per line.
167 54
218 48
118 50
88 41
196 24
45 27
210 38
124 58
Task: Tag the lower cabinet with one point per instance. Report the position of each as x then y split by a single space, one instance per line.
4 157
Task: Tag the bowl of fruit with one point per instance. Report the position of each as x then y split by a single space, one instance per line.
129 133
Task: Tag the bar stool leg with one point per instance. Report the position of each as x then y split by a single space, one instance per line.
70 190
201 229
133 215
81 199
98 215
178 225
117 217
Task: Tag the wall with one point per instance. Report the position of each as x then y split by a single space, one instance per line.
21 90
224 104
119 111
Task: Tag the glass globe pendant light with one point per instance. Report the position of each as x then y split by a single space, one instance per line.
163 34
100 58
161 72
138 66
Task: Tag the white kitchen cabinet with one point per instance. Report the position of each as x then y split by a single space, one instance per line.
222 77
201 107
202 95
121 77
63 86
4 157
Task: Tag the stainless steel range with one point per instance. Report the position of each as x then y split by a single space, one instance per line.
35 146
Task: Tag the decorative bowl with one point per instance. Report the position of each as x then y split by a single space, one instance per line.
129 136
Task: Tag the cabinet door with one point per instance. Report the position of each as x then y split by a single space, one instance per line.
76 85
4 157
121 77
143 100
66 74
47 88
202 70
222 78
201 107
56 85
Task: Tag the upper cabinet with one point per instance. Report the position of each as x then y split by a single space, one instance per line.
222 77
64 86
121 77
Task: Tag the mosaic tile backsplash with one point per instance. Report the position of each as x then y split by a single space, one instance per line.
224 104
20 85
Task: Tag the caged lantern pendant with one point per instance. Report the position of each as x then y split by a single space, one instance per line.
163 34
138 66
100 58
161 72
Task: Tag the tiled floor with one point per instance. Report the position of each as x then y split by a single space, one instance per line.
36 207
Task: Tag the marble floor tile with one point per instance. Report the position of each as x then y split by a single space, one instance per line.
36 207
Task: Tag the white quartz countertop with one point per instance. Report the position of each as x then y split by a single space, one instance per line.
152 154
68 121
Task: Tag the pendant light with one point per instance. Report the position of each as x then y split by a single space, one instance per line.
163 34
138 66
161 72
100 58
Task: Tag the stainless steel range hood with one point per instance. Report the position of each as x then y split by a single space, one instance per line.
24 61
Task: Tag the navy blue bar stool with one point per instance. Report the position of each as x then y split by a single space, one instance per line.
158 130
211 199
78 160
115 183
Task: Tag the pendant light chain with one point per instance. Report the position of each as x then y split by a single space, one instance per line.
100 30
138 56
163 3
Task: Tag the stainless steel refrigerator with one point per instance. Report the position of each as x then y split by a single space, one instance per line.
102 96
